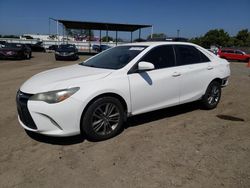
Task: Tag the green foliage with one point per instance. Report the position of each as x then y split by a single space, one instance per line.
82 32
221 38
157 36
10 36
107 39
119 40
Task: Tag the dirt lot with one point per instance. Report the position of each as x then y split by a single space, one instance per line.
176 147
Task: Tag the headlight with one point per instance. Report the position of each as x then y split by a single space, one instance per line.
57 53
54 96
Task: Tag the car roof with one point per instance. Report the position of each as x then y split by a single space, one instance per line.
158 43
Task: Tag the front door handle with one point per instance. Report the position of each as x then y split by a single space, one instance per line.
175 74
209 68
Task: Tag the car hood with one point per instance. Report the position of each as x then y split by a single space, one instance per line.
61 78
65 50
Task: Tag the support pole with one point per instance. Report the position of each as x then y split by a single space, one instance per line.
152 31
57 32
107 34
89 42
63 33
100 36
131 37
139 34
49 26
67 36
116 37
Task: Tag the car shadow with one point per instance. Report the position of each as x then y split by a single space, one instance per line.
70 140
161 114
131 122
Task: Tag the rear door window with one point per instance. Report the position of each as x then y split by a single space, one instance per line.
187 55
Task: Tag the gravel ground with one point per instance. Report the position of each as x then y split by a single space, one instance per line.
182 146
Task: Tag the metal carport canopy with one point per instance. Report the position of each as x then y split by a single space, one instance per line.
102 26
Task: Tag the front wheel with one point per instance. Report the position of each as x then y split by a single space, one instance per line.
103 119
212 96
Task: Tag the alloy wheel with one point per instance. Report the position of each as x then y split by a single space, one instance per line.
105 118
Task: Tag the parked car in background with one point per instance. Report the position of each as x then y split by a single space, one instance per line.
232 54
52 48
66 52
2 43
36 47
100 48
96 96
15 51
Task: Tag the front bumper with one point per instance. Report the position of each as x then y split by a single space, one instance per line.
60 119
66 56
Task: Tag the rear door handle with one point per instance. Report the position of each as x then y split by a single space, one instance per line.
209 68
175 74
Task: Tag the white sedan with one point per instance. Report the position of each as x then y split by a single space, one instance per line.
96 96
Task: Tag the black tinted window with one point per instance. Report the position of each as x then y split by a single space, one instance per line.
227 51
161 57
114 58
189 55
239 52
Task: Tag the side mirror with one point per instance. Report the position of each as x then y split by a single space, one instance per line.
144 66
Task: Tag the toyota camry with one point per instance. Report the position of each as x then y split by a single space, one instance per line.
95 97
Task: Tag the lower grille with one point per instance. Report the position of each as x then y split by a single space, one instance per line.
22 108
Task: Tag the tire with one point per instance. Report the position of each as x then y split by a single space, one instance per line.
212 96
96 125
27 56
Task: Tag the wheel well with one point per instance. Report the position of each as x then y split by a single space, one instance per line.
219 80
123 102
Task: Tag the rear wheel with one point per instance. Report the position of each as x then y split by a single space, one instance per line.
103 119
212 96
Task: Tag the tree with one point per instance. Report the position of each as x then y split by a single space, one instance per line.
243 36
196 40
139 40
215 37
157 36
107 39
119 40
81 32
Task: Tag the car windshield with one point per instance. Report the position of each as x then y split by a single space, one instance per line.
67 46
114 58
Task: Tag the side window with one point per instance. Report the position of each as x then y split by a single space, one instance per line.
238 52
161 57
187 55
204 58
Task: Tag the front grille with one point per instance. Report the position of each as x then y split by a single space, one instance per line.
22 108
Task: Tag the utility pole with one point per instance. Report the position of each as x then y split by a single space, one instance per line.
178 33
152 31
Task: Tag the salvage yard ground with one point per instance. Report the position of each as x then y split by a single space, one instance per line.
182 146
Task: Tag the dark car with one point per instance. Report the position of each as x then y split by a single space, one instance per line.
52 48
100 48
36 47
232 54
66 52
15 51
2 43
